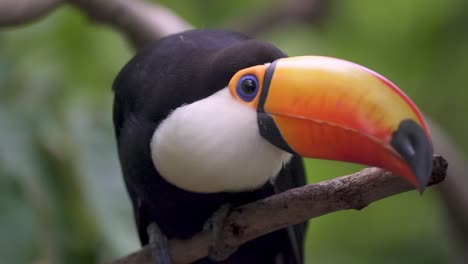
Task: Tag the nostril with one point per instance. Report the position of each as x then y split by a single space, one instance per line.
410 148
414 143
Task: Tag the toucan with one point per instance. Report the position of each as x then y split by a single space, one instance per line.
208 118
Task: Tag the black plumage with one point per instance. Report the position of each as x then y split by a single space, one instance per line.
177 70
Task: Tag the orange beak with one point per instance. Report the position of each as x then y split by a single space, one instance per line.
327 108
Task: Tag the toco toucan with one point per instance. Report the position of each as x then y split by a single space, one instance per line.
206 118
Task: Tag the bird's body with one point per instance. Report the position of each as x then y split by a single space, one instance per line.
143 103
206 118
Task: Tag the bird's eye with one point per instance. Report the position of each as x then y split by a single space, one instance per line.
247 87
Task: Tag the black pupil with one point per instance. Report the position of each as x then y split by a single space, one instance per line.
248 86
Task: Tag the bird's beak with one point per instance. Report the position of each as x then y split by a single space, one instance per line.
326 108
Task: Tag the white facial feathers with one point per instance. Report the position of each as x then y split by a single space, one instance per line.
213 145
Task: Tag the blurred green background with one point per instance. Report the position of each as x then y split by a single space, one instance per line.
62 198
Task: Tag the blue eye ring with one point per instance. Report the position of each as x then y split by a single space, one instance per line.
247 87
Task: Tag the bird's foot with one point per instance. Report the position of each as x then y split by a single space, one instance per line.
158 241
218 250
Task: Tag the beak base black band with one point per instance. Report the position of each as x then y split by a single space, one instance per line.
270 132
266 86
266 124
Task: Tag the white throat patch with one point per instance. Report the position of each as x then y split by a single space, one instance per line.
213 145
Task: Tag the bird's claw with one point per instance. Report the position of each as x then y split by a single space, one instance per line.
158 241
218 250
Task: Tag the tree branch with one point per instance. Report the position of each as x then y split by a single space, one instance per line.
279 13
140 22
17 12
355 191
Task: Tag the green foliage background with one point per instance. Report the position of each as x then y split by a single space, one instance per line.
61 194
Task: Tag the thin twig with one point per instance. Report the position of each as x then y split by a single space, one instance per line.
355 191
15 12
140 22
279 13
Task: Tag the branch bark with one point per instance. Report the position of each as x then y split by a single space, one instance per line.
279 13
17 12
355 191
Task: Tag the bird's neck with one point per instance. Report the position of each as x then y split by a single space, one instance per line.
213 145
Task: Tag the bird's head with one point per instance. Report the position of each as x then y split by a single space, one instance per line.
228 112
327 108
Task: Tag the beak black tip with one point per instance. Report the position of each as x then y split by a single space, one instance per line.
424 177
421 189
412 143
